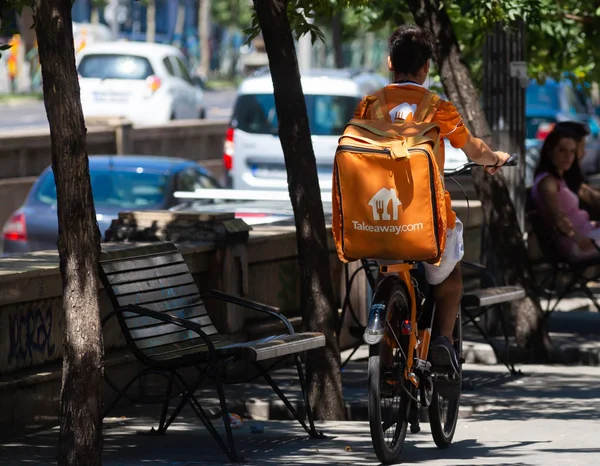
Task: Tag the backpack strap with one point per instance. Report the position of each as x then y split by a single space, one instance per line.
377 105
427 107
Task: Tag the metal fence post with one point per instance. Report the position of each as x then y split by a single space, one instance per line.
505 79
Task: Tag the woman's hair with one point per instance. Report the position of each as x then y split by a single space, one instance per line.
579 130
573 176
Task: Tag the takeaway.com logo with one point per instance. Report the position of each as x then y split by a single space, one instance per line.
381 202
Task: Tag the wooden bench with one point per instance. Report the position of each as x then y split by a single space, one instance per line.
476 303
166 325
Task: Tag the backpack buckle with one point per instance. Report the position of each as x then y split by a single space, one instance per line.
399 149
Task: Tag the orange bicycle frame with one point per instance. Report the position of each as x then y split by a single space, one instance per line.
418 339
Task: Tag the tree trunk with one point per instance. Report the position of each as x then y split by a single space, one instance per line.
151 21
338 43
204 35
316 289
179 25
506 252
95 15
80 440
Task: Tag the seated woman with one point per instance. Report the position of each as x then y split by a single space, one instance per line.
589 198
577 235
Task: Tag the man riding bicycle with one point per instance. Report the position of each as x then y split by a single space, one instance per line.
410 53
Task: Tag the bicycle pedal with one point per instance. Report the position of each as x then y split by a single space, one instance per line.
415 428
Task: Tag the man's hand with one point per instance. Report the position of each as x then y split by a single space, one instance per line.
502 158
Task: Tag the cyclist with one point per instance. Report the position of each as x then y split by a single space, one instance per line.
410 53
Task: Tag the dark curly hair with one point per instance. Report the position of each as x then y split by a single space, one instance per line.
410 47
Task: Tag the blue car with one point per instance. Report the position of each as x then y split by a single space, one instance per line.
119 183
551 102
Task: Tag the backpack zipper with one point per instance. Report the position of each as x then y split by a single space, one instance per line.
431 177
364 149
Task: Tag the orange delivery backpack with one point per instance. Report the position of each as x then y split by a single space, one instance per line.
388 187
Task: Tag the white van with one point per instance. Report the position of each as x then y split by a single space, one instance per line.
253 157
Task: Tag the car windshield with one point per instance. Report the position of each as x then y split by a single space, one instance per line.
105 66
115 188
543 95
327 114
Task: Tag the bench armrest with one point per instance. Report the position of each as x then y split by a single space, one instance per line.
273 311
163 317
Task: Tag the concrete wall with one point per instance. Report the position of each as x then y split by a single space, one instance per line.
24 155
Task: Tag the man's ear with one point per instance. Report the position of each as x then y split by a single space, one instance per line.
390 66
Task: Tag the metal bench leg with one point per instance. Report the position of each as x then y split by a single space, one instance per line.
188 395
591 296
162 428
489 342
504 326
356 348
183 389
121 393
311 431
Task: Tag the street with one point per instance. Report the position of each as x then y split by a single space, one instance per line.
32 114
549 416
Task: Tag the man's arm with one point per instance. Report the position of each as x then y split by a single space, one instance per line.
479 152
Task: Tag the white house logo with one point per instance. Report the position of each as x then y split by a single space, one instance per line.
403 111
381 203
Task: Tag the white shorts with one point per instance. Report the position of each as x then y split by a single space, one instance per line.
453 254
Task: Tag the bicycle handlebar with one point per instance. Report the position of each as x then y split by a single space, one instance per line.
511 162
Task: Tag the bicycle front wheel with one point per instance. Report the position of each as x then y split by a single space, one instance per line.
389 402
443 411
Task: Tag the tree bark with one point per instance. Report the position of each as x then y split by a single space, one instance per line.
338 43
179 25
80 440
204 36
151 21
505 252
316 289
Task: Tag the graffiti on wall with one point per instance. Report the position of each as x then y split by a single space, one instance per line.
30 333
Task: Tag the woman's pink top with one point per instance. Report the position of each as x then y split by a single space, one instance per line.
569 203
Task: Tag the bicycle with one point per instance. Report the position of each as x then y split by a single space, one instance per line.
398 358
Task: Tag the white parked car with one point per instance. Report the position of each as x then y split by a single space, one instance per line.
147 83
253 156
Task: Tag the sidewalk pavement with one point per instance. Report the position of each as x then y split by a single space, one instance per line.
548 416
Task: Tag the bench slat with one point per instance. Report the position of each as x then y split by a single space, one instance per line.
491 296
153 285
178 339
175 304
162 328
148 274
134 321
282 345
127 252
165 294
132 265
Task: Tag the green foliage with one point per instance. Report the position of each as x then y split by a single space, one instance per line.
231 13
302 15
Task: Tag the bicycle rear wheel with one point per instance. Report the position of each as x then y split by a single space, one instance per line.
389 402
443 412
